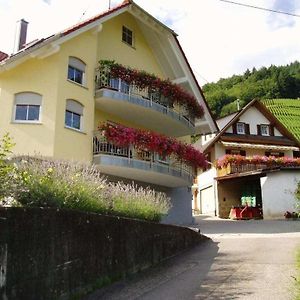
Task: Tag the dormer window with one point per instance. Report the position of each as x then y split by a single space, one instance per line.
240 128
127 36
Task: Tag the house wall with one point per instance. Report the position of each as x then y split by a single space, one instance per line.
66 138
206 180
253 117
181 210
229 195
38 76
277 197
111 47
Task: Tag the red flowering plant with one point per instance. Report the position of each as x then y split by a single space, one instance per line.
154 142
172 92
257 160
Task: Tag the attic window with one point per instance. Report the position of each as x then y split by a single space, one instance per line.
240 128
264 129
127 36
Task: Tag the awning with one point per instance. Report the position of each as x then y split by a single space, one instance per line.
260 146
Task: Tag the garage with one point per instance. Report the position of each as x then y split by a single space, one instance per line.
207 201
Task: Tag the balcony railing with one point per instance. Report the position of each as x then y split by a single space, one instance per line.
153 96
102 146
234 168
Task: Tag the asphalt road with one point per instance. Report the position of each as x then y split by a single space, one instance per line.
244 260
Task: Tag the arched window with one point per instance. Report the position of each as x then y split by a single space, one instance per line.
27 107
74 114
76 70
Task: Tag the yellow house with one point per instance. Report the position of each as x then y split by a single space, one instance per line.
53 98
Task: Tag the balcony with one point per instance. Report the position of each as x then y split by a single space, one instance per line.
140 165
234 168
238 164
145 106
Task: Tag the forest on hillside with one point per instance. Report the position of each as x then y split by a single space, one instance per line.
265 83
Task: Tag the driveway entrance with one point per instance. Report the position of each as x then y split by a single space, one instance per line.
244 260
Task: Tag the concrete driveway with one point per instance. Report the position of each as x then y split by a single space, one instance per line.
244 260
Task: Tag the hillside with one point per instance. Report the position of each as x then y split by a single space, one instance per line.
274 82
287 111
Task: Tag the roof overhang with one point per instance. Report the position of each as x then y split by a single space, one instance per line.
259 146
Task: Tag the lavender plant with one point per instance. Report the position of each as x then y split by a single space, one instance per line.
49 183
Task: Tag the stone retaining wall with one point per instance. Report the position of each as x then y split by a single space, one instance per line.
55 254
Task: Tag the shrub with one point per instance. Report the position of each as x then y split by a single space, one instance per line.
297 196
7 178
49 183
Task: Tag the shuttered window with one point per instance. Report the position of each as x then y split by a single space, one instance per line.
74 114
27 107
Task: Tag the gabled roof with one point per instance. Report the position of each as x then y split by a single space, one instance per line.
254 103
287 111
79 26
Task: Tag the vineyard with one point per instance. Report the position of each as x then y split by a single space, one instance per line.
287 111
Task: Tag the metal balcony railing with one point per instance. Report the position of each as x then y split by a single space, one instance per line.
102 146
104 80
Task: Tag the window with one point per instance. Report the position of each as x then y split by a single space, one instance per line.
27 107
240 128
76 70
275 154
264 130
235 152
127 36
73 115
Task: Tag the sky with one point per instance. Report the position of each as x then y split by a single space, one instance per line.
219 39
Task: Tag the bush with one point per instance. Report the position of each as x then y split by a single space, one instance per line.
49 183
7 175
297 195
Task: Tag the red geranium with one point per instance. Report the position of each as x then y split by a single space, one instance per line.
173 92
257 160
153 142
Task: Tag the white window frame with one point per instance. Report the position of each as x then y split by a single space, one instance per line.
27 99
238 129
126 35
79 65
77 108
267 127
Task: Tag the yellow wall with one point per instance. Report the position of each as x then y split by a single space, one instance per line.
39 76
110 45
69 143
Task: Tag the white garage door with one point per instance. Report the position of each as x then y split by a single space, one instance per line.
207 201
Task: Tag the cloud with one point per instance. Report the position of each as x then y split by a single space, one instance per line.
277 20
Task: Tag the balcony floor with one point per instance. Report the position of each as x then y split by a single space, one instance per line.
143 113
140 170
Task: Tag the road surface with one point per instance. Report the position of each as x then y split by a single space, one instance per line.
243 260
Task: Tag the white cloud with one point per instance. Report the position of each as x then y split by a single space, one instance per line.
219 39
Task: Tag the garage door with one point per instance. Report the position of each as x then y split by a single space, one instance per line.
207 201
